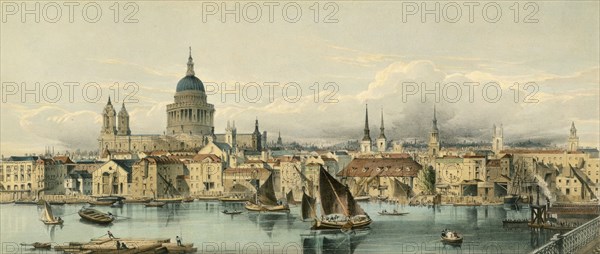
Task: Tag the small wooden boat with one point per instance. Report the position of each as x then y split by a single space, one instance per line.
101 203
208 198
362 198
137 200
451 237
238 199
48 217
394 213
155 204
467 204
232 212
266 208
508 221
188 199
26 202
57 202
96 216
169 200
38 245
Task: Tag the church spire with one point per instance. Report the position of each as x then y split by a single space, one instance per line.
367 135
190 64
109 101
256 126
382 128
434 127
573 129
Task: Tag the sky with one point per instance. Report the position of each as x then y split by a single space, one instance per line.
534 70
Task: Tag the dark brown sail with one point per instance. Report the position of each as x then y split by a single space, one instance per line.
266 192
290 197
334 195
353 207
308 207
401 190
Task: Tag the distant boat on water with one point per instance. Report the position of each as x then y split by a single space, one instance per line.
394 213
233 198
155 204
266 201
232 212
169 200
48 217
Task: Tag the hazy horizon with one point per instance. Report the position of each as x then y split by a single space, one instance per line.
362 58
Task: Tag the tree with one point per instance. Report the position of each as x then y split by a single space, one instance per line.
426 180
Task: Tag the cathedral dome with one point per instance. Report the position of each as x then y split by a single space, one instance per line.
190 82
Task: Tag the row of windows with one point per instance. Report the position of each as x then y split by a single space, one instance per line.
19 187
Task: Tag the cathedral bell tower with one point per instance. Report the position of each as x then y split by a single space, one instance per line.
109 121
123 117
497 139
573 142
256 138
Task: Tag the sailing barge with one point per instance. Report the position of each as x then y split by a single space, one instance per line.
266 201
339 209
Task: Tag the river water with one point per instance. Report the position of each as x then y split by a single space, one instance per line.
211 231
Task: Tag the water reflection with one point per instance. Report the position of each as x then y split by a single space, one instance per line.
266 221
204 223
333 241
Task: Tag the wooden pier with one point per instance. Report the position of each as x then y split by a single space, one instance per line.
109 246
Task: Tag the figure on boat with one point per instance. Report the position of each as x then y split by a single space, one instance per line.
451 237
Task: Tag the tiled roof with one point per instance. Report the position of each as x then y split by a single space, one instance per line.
532 151
23 158
201 157
160 160
397 155
64 159
383 167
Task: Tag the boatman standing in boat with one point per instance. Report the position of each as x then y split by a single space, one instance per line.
178 239
110 235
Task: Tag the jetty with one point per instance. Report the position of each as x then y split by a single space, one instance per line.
107 245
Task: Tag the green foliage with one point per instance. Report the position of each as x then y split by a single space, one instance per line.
426 180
